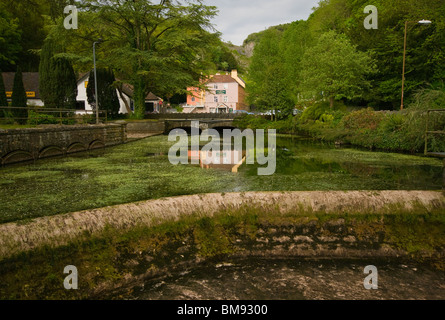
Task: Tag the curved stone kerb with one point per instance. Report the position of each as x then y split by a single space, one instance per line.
61 229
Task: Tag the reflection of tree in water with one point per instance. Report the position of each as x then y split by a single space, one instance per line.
310 163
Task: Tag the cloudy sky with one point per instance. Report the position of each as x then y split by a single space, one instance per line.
239 18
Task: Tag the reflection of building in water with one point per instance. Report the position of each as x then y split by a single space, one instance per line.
226 160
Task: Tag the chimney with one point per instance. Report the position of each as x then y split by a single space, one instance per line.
234 75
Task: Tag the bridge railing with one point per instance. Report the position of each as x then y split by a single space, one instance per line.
192 116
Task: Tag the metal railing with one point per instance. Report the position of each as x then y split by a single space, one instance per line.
191 116
430 132
41 115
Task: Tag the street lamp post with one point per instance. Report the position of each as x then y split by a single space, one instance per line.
95 80
423 22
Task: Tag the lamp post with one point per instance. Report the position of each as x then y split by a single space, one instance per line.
95 80
423 22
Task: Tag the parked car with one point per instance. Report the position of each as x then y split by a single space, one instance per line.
271 112
243 112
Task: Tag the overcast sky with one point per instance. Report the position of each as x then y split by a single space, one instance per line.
239 18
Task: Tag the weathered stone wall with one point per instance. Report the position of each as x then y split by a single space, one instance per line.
165 126
146 126
35 143
62 229
118 248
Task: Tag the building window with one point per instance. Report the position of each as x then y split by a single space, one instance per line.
226 86
226 99
215 86
193 99
215 98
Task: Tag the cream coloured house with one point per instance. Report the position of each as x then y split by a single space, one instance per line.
225 94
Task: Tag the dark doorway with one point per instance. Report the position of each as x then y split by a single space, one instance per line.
149 107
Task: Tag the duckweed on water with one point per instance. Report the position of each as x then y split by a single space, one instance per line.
128 173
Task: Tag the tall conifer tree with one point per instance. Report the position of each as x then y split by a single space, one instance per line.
58 83
65 85
19 99
3 99
46 75
107 94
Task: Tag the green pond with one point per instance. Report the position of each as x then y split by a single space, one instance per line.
141 170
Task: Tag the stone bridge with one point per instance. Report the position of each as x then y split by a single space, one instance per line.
203 124
165 123
18 145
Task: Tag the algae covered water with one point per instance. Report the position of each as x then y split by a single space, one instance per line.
141 171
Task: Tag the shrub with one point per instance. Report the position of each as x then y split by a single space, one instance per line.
323 109
393 122
430 98
363 119
314 112
251 122
36 118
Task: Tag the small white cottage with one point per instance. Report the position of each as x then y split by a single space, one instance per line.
83 107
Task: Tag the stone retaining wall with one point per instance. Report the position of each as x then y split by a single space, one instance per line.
135 127
120 247
18 145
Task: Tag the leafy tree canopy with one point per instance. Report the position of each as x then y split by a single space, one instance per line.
335 68
157 46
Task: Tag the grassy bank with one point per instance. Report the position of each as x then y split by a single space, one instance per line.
114 260
402 131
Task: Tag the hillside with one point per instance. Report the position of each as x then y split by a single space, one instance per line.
244 53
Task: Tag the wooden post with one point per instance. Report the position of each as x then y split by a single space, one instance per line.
404 64
426 132
443 176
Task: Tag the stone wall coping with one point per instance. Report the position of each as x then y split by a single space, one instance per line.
58 128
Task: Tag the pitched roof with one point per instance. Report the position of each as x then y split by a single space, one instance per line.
30 82
127 88
221 78
152 96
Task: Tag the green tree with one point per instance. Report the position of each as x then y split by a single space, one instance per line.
58 83
107 94
160 47
295 41
65 83
425 59
268 87
3 99
334 68
224 59
46 74
10 35
19 99
274 94
28 15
